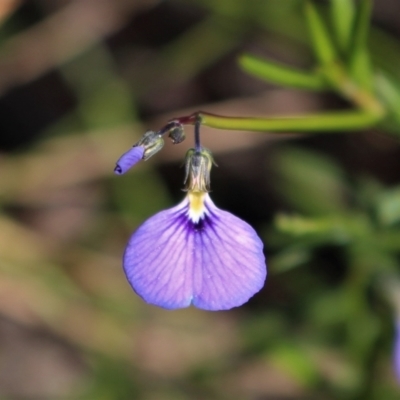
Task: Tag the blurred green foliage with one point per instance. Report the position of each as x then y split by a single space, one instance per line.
358 223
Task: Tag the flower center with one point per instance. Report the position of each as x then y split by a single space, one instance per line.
196 206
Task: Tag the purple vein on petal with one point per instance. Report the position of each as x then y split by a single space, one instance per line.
215 264
152 260
229 261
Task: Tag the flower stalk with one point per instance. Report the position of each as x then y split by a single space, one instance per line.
315 123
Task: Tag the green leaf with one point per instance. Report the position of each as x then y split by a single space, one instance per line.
360 62
281 74
388 207
389 91
310 182
296 361
361 69
289 258
331 308
303 226
362 25
323 46
334 229
343 13
385 50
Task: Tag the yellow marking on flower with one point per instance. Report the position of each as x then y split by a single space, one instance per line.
196 205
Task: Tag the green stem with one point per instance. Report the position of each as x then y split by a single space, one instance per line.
327 122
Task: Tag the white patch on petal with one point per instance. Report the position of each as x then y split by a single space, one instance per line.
197 209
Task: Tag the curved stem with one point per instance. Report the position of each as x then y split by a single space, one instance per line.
327 122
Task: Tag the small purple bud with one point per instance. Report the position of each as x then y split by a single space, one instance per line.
129 159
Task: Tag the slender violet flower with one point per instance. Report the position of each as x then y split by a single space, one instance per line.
195 253
396 351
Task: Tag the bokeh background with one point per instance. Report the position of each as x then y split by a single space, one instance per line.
80 82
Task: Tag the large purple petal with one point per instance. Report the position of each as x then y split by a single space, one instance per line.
129 159
215 264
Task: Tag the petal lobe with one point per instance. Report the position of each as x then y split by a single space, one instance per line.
216 263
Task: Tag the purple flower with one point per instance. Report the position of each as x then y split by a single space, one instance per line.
396 351
194 253
197 254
